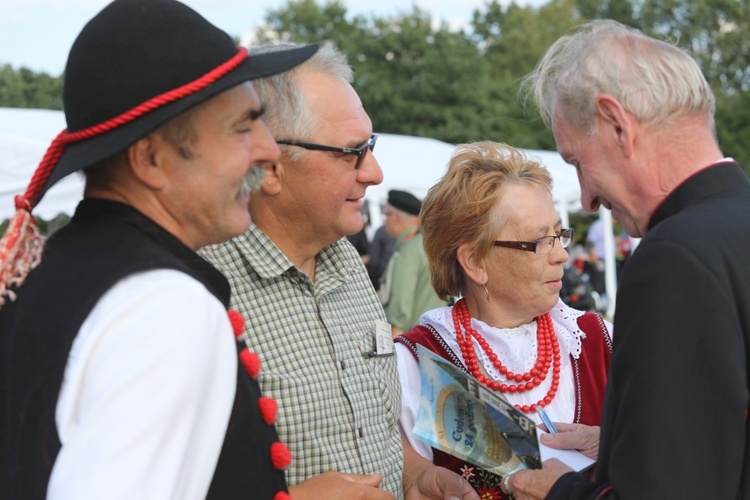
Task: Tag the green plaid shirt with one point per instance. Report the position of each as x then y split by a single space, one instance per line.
338 409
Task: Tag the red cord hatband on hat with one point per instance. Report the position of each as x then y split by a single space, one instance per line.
21 245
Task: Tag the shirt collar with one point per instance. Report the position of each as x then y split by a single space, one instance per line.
269 261
713 179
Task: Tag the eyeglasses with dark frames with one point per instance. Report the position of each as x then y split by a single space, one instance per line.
543 245
359 150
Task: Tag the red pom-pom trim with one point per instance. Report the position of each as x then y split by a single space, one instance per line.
282 495
238 323
281 457
268 409
251 362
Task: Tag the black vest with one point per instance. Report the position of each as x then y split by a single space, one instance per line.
105 242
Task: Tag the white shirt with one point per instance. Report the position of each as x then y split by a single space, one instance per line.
515 347
147 393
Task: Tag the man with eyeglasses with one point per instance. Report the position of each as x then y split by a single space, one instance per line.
309 307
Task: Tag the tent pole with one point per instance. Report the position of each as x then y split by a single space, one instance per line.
610 273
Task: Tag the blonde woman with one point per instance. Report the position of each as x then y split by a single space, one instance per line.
492 237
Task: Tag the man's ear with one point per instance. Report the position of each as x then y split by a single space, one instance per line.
273 180
148 161
471 264
618 123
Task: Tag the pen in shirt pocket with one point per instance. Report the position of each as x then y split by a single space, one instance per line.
545 420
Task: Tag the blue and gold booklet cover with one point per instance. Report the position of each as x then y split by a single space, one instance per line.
461 417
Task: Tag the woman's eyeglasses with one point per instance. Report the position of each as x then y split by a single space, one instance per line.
542 246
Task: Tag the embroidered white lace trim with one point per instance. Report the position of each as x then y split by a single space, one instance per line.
516 347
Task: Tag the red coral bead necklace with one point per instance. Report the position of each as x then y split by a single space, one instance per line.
548 354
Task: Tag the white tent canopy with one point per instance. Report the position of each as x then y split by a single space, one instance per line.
409 163
25 135
415 164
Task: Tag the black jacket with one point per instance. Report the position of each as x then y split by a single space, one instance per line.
675 421
104 242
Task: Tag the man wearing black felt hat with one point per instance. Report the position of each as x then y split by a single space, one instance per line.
121 376
405 291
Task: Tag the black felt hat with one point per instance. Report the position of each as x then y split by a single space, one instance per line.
134 51
406 202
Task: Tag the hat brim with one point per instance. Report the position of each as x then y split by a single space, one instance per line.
80 155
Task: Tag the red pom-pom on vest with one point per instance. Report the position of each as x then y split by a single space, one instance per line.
268 409
282 495
251 362
281 457
238 322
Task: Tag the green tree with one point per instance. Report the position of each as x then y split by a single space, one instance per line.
413 78
25 88
420 80
512 40
620 10
733 127
304 21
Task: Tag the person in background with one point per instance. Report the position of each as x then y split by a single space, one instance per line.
405 291
579 256
634 116
493 238
623 248
120 371
381 249
308 303
359 239
595 245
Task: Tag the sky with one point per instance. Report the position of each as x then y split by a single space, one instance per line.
38 34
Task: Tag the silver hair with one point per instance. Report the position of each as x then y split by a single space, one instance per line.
286 113
655 81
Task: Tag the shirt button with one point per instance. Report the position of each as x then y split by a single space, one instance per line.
361 432
343 365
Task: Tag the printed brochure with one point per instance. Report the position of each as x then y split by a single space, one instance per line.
460 416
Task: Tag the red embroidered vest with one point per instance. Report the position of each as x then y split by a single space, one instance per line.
590 379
